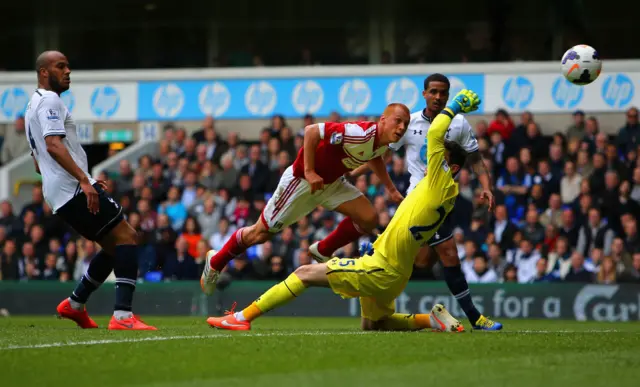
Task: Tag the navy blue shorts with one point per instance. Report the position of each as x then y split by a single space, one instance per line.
445 232
93 227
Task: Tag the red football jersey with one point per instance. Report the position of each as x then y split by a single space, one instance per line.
343 147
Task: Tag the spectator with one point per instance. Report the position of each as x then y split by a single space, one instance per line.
570 183
181 264
578 272
7 218
559 258
607 273
553 214
9 261
538 144
481 272
502 228
257 170
577 129
584 166
174 208
525 259
632 273
502 124
541 272
223 233
635 191
595 234
15 142
532 228
192 234
629 135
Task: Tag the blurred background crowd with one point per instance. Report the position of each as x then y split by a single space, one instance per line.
568 207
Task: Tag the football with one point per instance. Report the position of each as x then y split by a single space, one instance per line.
581 64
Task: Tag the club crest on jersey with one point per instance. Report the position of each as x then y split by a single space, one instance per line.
53 115
336 138
445 166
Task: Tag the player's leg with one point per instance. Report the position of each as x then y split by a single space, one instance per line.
381 317
361 218
291 201
293 286
76 214
446 248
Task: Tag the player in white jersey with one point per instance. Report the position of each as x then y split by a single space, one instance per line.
436 94
79 199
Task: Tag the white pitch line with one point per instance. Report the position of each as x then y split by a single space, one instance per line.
167 338
270 334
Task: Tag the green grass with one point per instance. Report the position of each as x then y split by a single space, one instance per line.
316 352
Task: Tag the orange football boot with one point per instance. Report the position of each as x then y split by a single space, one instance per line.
229 321
80 317
129 324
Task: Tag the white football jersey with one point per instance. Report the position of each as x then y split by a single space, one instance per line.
46 116
415 140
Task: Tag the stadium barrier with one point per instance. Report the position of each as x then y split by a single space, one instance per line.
566 301
131 153
16 181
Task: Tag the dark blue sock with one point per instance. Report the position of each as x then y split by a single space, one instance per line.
458 286
126 270
99 269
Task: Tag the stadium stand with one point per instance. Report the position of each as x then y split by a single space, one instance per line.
568 207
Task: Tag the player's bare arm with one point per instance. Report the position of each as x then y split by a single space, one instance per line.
60 154
311 141
480 169
378 167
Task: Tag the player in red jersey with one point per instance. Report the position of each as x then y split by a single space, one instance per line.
316 178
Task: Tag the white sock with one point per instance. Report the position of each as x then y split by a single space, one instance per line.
239 316
75 304
122 314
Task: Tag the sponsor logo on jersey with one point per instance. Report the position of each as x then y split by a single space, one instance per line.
336 138
53 115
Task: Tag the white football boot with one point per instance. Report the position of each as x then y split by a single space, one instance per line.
209 275
315 254
443 321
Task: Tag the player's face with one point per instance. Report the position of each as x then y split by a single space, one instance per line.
436 95
395 124
59 74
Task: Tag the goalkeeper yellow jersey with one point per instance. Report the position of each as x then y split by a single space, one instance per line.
421 213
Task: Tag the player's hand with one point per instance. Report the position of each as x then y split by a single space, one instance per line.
396 196
488 197
314 180
93 203
102 184
465 101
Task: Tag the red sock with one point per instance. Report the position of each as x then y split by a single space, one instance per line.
346 232
231 249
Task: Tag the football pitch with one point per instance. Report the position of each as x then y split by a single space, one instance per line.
296 351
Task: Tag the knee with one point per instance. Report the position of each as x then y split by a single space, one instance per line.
255 235
368 325
304 273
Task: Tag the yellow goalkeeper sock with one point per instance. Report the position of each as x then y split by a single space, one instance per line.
277 296
406 322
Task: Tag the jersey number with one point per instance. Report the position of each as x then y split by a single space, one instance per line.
417 231
31 140
346 262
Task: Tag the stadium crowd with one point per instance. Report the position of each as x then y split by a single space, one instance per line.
568 207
